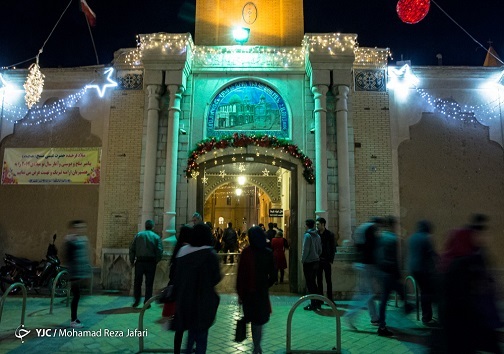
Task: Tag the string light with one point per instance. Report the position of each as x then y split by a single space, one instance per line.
332 43
34 85
454 110
373 56
404 78
248 56
255 56
47 113
14 114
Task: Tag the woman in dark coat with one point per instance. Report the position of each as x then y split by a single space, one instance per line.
256 274
185 236
196 275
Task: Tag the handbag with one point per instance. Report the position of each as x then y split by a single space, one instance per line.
241 329
167 294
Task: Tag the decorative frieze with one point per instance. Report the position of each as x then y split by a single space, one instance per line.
130 79
370 80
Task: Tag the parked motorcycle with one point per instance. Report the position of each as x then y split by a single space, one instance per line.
34 275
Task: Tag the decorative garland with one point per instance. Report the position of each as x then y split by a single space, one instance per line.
242 140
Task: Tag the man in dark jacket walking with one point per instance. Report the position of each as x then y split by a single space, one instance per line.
145 252
230 240
422 262
326 258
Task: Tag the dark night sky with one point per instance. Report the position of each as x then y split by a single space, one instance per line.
26 24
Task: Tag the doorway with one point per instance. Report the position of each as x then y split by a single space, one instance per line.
245 189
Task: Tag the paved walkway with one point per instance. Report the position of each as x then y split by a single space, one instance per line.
111 318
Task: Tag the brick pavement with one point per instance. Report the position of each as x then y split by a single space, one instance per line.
313 331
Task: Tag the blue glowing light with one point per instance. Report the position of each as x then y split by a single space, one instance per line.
111 83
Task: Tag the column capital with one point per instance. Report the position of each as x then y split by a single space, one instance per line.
340 89
154 93
175 89
154 90
319 90
341 93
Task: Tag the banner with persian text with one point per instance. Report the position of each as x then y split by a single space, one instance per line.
51 166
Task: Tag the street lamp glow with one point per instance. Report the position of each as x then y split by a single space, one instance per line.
241 180
241 34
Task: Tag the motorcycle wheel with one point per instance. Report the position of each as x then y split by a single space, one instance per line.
61 286
6 281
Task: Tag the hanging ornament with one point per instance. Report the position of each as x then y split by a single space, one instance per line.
412 11
34 85
204 180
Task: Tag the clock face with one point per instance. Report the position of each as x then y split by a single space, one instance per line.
249 13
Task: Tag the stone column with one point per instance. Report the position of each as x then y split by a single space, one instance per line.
344 206
170 193
319 93
153 108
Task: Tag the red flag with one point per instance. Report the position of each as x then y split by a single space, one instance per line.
90 15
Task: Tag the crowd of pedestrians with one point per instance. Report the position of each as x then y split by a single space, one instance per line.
456 282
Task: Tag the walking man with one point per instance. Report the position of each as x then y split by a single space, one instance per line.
328 241
365 238
230 240
389 273
145 252
422 262
79 268
310 257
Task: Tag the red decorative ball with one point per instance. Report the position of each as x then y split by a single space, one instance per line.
412 11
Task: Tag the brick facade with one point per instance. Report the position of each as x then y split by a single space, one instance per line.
122 179
373 159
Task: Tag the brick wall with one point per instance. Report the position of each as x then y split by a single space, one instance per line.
122 180
373 159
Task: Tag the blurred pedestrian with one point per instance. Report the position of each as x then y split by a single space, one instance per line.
326 258
310 257
279 244
422 265
388 272
145 252
79 266
196 301
365 239
256 274
469 311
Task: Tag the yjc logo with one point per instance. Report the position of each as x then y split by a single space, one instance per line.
21 332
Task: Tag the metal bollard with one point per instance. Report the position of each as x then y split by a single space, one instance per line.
417 302
141 348
6 293
53 290
337 349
